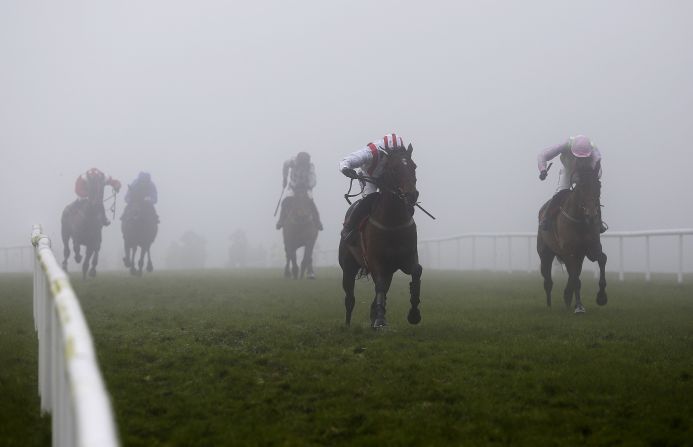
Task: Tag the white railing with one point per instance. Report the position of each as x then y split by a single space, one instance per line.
70 382
15 259
431 250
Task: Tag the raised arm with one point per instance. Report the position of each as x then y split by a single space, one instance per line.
356 160
549 153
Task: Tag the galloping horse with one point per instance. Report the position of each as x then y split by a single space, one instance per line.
387 241
300 230
82 222
573 236
139 227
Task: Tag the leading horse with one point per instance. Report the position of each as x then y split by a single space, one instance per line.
574 236
82 221
300 230
140 226
387 241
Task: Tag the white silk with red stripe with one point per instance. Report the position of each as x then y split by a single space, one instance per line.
369 160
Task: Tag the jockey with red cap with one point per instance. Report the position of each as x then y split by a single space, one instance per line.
82 190
369 162
577 147
302 180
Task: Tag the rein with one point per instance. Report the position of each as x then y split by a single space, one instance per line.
113 205
374 181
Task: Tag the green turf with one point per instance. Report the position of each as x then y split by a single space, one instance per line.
248 358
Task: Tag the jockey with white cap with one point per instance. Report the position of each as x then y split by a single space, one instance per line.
577 147
369 162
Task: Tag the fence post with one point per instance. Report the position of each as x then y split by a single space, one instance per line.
495 254
680 276
620 258
510 254
647 258
473 252
529 254
439 261
459 254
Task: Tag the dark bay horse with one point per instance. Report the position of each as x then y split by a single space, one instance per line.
300 230
140 225
573 237
387 241
82 221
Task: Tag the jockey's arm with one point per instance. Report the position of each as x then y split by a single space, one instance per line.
285 169
549 153
114 183
356 160
597 159
311 177
153 194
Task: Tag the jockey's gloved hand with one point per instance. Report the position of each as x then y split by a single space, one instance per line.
284 183
542 175
350 173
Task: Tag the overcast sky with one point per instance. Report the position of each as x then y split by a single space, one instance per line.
212 96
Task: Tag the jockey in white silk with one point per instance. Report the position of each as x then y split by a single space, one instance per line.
366 162
300 173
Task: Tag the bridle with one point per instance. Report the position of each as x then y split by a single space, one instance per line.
397 193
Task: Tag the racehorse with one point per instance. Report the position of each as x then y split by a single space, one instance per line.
574 235
139 226
82 222
300 230
387 240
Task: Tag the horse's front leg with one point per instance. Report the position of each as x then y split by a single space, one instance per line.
547 258
87 259
571 264
132 254
382 285
150 266
66 252
140 264
577 285
294 264
601 295
94 262
76 248
126 257
414 315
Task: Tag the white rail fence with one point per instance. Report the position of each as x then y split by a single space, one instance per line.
15 259
517 251
70 382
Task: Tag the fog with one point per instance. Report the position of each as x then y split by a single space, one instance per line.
212 96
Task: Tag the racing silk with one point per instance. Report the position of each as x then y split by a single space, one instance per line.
370 160
142 190
302 176
81 182
578 146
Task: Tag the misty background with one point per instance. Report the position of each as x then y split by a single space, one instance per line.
212 96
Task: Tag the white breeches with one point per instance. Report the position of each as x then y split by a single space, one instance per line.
290 193
564 177
370 188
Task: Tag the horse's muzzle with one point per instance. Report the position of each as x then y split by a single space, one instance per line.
412 197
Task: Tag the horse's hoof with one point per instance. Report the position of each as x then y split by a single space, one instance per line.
78 259
311 276
133 272
601 298
150 268
65 266
126 261
379 323
580 309
139 273
92 273
414 316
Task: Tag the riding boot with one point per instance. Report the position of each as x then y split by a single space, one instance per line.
359 211
552 209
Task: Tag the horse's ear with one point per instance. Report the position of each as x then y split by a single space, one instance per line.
410 149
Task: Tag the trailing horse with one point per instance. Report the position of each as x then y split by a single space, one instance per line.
300 230
139 227
82 221
387 240
574 236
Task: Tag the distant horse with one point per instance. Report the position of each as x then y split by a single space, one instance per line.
82 221
387 241
573 236
139 226
299 230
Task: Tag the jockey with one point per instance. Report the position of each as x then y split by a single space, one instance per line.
302 179
575 148
143 191
82 191
367 161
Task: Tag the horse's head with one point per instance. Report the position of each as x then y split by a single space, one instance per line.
588 190
399 175
96 182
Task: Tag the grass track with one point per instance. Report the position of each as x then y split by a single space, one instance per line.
247 358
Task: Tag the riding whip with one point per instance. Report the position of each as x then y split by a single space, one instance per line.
280 201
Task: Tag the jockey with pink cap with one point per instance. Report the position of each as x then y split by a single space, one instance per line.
577 147
369 162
